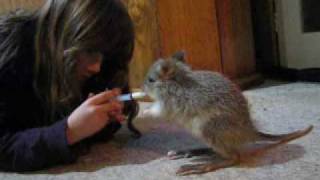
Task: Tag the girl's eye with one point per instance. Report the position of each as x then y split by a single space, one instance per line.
94 53
94 56
151 80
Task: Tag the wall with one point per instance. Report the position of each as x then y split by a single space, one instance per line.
298 49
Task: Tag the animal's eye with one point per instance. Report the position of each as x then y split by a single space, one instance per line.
151 80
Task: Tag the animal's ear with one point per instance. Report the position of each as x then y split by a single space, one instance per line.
180 56
167 71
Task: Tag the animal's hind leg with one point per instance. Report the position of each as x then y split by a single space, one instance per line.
189 153
229 159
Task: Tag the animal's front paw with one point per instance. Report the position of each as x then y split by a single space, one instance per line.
151 112
146 113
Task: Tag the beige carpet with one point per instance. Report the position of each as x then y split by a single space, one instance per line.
277 109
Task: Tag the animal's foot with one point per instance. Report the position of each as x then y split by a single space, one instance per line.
204 168
191 169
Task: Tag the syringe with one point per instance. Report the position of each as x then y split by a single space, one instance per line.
131 96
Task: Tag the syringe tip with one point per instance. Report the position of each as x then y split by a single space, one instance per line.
138 95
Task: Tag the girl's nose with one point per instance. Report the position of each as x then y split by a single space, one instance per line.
95 67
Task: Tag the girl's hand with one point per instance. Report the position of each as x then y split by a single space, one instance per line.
93 115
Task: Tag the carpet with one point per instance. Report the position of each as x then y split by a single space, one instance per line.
276 109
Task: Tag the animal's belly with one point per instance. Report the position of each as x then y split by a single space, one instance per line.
194 126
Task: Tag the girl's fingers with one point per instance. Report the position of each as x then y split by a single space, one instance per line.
115 112
119 117
90 95
117 90
112 106
104 97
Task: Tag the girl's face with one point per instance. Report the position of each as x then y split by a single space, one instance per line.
88 64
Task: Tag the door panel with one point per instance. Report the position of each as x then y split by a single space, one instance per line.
192 26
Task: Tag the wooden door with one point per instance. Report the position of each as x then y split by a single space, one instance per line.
192 26
217 35
147 49
8 5
236 41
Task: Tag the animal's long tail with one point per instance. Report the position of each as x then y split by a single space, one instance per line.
284 137
280 139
